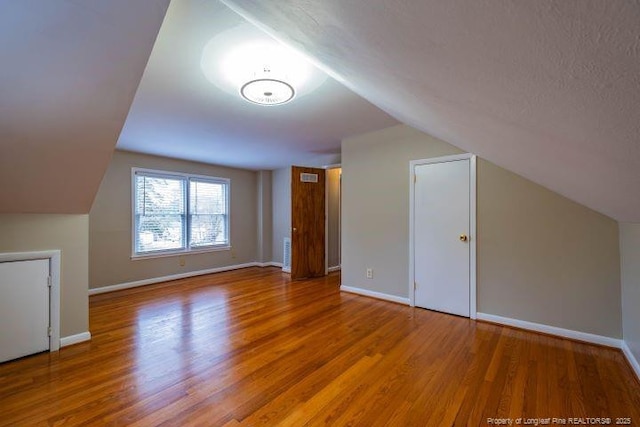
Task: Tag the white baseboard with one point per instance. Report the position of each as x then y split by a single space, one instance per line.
286 269
374 294
334 268
151 281
269 264
631 358
552 330
273 264
75 339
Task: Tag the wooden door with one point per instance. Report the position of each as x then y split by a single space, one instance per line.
24 308
307 222
441 236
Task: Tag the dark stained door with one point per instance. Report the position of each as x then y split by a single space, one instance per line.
307 222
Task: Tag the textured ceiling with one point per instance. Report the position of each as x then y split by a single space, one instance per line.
68 72
178 113
549 89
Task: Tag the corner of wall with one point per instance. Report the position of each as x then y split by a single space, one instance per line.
280 211
630 278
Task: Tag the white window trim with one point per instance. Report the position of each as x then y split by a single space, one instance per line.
187 250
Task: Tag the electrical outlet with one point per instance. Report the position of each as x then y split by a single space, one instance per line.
369 273
233 253
181 261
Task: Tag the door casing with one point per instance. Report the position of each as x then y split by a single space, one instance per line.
472 225
326 215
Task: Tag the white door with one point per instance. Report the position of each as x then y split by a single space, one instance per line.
441 236
24 308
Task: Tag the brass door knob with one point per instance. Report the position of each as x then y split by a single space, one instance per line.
463 238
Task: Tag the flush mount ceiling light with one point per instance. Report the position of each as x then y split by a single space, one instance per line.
267 91
245 61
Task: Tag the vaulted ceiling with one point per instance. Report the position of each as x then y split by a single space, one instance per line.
549 89
178 113
68 72
79 76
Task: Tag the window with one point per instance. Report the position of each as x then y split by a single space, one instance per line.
175 213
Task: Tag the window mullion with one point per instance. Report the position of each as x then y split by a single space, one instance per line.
187 215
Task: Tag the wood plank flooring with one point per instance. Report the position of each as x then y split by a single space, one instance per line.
251 348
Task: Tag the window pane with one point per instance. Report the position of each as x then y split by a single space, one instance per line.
159 213
160 233
207 197
208 213
208 230
159 196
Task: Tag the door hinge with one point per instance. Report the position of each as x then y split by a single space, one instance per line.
49 281
415 178
49 331
415 286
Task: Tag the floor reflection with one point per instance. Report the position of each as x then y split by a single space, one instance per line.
174 337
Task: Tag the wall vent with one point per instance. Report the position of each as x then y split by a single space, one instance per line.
309 177
286 256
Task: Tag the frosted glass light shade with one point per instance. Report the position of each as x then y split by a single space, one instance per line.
267 91
237 57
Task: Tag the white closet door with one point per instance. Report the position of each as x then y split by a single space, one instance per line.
441 236
24 308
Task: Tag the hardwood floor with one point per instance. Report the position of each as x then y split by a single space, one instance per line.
252 348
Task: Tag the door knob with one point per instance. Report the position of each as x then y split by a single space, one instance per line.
295 229
463 238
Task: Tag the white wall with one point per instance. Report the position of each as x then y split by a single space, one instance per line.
110 260
281 197
68 233
541 257
264 216
375 205
544 258
630 264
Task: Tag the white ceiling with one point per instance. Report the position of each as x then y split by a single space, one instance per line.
68 72
178 113
549 89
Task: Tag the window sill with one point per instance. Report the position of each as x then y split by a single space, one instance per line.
182 252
